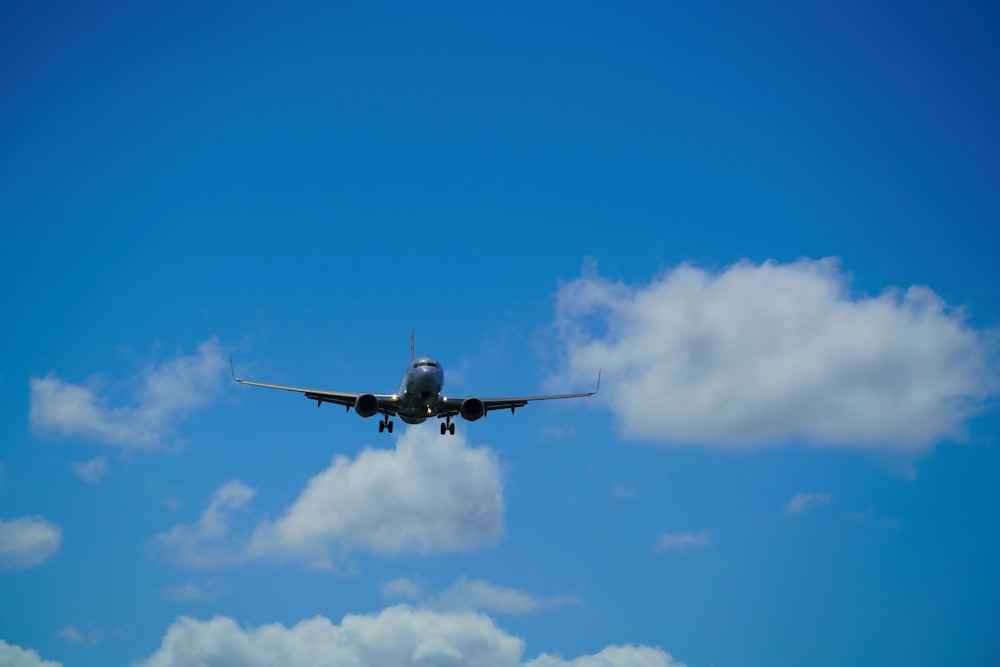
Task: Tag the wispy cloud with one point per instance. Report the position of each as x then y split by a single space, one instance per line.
74 635
166 393
474 594
553 432
401 589
801 502
682 540
485 596
27 542
190 592
870 515
625 491
772 353
91 471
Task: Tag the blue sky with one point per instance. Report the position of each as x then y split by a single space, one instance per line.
773 227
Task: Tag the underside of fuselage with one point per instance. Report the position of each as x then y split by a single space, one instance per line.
412 420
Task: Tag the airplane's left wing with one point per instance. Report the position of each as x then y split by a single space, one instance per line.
450 406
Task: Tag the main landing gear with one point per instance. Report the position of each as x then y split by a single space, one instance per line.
447 426
385 424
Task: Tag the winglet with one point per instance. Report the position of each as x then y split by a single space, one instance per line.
598 381
232 371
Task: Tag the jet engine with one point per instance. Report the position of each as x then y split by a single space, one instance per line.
472 409
366 405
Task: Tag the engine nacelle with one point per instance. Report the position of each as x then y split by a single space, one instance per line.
472 409
366 405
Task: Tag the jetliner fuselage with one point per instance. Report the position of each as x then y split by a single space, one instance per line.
420 390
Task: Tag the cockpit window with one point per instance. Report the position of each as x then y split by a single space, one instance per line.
425 362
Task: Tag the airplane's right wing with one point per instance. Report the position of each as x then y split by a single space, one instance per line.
386 402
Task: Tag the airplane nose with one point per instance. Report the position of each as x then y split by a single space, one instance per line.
427 382
429 372
424 378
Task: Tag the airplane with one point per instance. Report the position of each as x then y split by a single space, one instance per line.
418 399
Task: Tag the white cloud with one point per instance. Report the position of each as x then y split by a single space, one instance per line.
91 471
15 656
484 596
801 502
775 353
168 393
209 542
27 542
395 637
429 494
682 540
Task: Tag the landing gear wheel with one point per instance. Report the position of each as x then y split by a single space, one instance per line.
381 426
451 429
444 427
389 426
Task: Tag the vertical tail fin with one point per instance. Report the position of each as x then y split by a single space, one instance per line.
411 342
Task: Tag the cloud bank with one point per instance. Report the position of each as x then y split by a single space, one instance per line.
776 353
429 494
169 391
27 542
395 637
